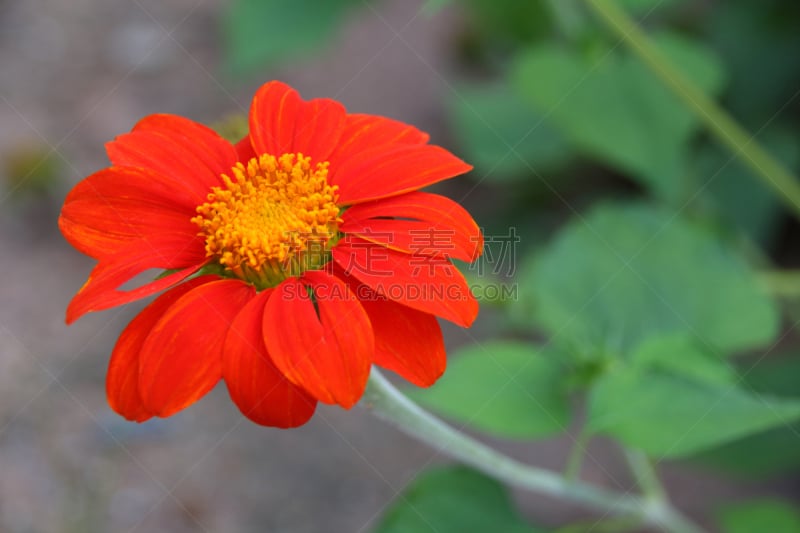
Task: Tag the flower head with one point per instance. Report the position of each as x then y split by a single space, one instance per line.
295 259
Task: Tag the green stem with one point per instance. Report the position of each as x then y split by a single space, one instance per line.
572 471
646 477
784 283
614 524
390 404
725 128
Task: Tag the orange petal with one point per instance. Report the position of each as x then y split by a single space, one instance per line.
441 226
204 143
273 115
414 237
104 228
327 355
163 252
141 184
176 147
428 284
407 341
320 123
115 206
181 359
154 152
257 387
364 132
393 169
122 379
244 149
282 122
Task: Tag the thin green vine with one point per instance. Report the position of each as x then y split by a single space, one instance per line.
743 145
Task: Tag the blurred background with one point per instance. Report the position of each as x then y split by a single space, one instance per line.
556 115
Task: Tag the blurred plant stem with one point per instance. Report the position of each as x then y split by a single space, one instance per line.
782 283
390 404
572 470
743 145
645 475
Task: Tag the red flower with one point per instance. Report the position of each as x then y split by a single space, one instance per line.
295 259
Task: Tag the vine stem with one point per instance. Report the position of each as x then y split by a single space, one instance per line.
721 124
382 398
572 471
646 477
784 283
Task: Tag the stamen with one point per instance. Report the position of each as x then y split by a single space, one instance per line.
276 218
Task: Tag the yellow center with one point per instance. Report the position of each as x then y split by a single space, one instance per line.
276 217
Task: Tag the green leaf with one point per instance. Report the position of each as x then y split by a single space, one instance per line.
508 23
646 7
774 374
508 389
683 356
670 416
613 108
740 199
766 515
622 274
759 49
259 32
773 452
29 170
432 7
765 455
502 137
453 500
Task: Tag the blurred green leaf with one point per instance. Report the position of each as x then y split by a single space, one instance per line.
771 516
759 48
453 500
684 356
614 108
740 199
622 274
30 169
432 7
507 389
490 289
645 7
773 452
509 21
502 137
232 127
259 32
577 25
774 374
670 416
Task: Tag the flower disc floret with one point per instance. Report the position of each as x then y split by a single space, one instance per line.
275 217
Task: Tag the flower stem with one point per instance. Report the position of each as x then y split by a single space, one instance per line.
572 471
783 283
721 124
646 477
390 404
